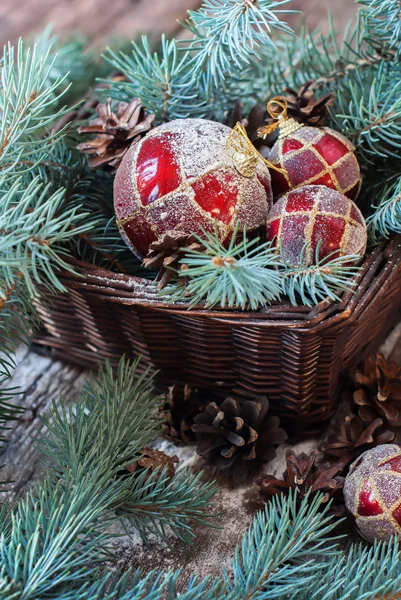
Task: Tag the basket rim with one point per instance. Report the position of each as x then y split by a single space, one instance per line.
124 289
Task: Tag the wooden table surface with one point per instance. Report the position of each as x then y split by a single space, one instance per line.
104 19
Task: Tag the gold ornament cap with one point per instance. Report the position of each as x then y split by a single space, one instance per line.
244 154
278 109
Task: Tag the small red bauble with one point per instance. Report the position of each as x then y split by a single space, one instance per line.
184 176
314 214
372 492
315 156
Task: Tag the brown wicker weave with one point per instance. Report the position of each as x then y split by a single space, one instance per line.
295 356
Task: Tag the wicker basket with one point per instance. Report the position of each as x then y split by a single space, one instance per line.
296 356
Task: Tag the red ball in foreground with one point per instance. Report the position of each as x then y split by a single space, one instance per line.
182 176
315 156
312 215
372 492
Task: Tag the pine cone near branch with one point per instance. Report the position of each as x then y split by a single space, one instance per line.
166 253
304 475
234 434
354 438
377 390
253 121
154 459
182 405
116 130
304 108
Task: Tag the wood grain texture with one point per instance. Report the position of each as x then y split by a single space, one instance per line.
105 20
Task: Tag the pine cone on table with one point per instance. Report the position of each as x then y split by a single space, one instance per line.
354 438
116 130
166 253
154 459
234 434
303 475
304 108
183 403
377 390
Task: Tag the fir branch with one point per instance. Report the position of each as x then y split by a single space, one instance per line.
323 280
281 553
386 218
15 322
369 113
56 536
364 573
241 275
164 83
159 505
249 276
382 28
109 427
226 33
32 231
26 102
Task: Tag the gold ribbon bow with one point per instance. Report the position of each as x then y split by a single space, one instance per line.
278 109
246 157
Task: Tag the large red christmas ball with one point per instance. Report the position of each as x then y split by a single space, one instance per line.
315 214
183 176
315 156
372 492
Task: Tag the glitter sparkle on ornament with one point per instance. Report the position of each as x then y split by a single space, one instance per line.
315 156
316 215
182 176
372 492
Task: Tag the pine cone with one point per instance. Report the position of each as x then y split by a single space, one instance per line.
183 403
304 108
377 391
116 132
154 459
166 252
252 122
236 433
355 437
304 475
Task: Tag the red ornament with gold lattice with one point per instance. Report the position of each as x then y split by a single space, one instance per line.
189 175
310 155
372 492
315 215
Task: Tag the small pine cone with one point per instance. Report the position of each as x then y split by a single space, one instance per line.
303 475
252 121
234 434
116 130
355 437
166 252
377 390
182 404
154 459
304 108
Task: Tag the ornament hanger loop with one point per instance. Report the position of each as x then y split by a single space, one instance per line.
246 157
278 108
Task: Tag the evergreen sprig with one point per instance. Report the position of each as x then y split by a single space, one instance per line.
163 81
27 96
382 25
240 275
227 33
386 218
247 275
54 539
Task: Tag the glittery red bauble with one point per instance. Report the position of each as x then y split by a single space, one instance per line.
182 176
372 492
315 156
314 214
